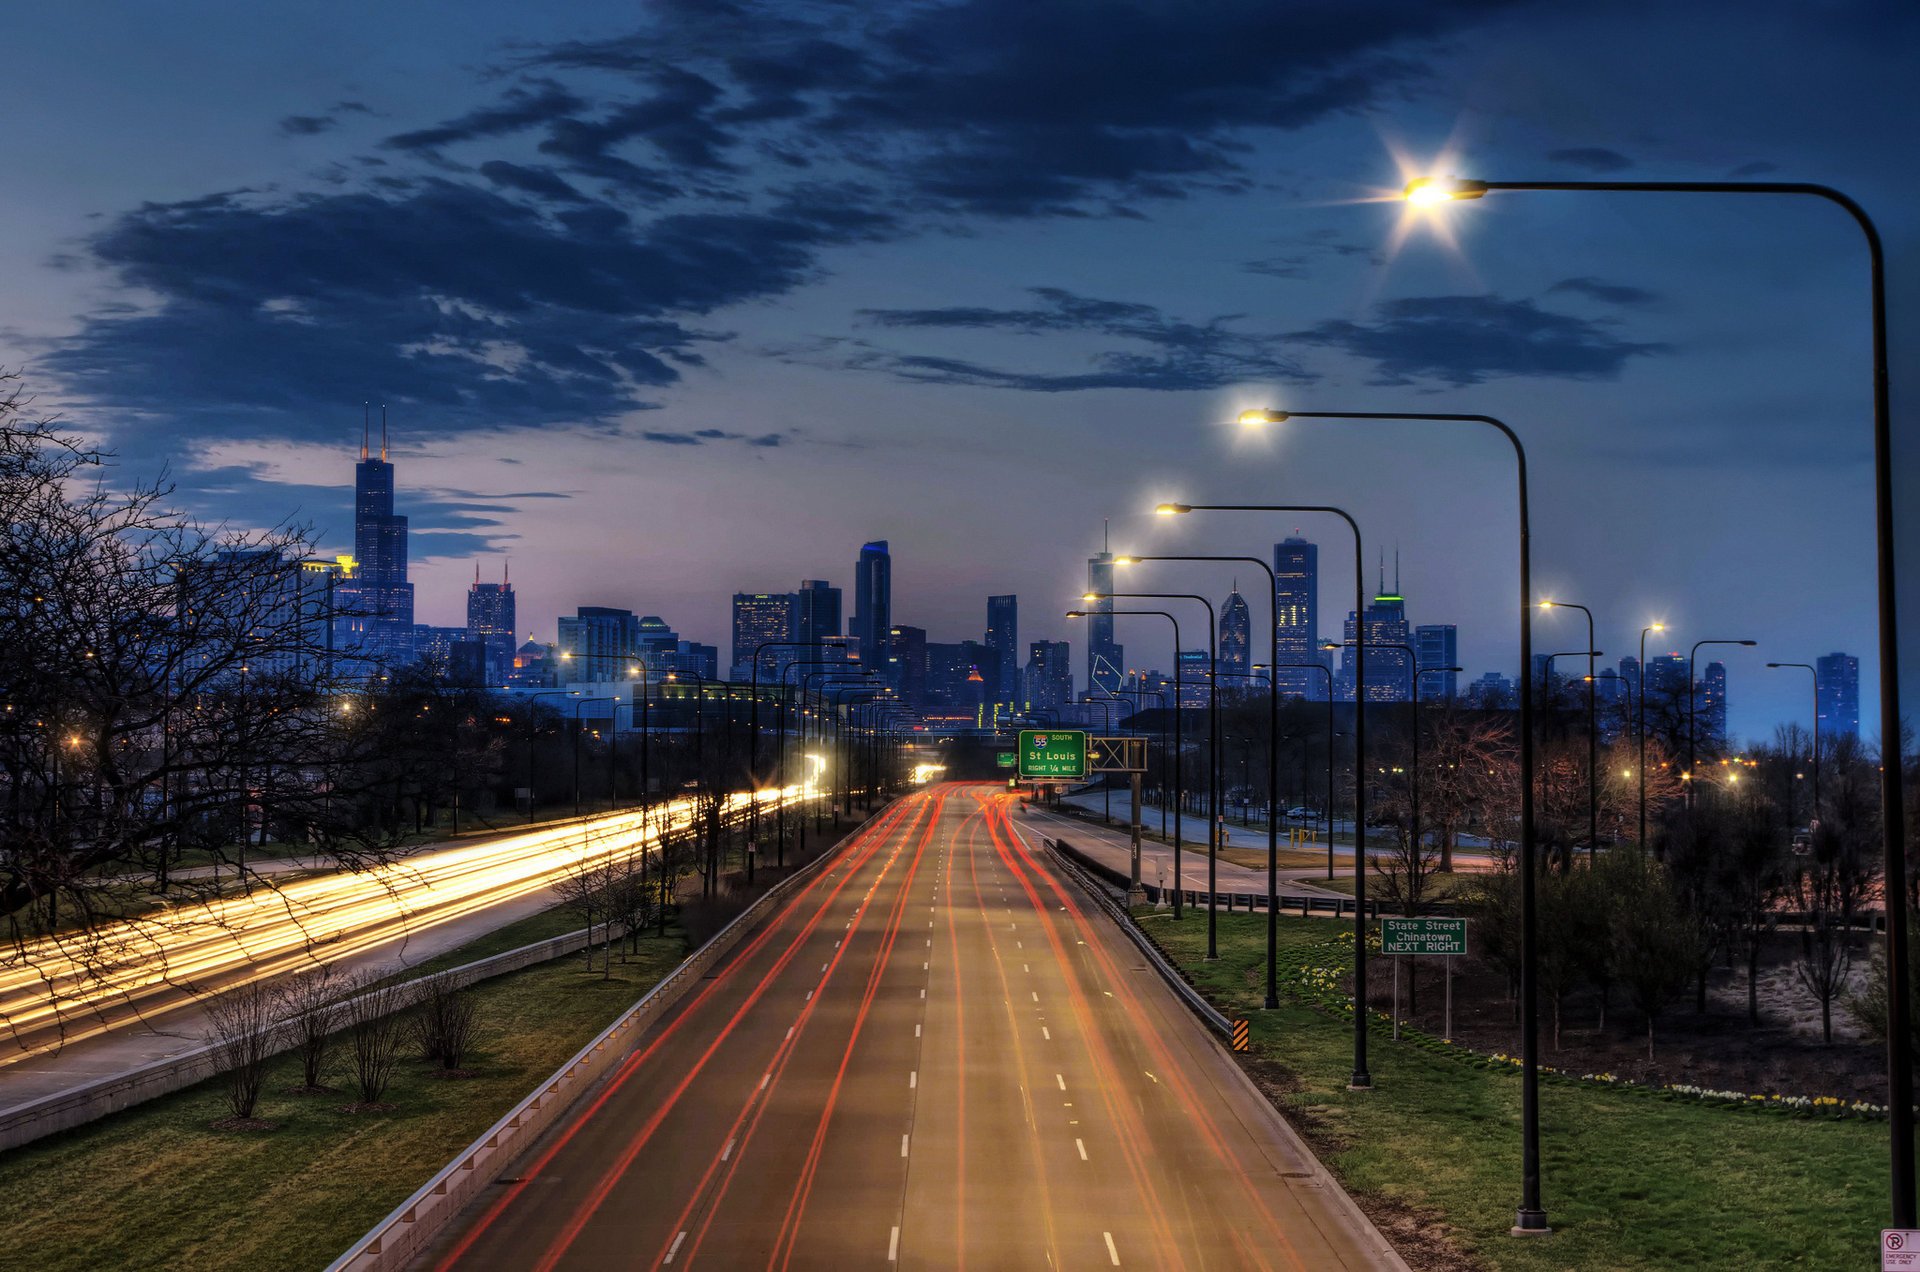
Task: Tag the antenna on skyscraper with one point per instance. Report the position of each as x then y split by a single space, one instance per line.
366 426
383 432
1396 569
1383 557
1105 524
506 571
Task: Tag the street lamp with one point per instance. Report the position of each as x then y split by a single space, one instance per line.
1692 707
1212 715
1814 674
1593 733
1179 747
1361 1079
1900 1124
1531 1216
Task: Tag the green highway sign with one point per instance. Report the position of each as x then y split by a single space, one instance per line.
1058 753
1423 936
1006 759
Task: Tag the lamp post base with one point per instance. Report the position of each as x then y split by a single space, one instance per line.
1360 1082
1529 1223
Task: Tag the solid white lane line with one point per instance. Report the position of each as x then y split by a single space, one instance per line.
727 1152
674 1248
903 1146
1082 1146
1111 1252
893 1245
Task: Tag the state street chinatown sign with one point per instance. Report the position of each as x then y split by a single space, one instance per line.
1423 936
1056 753
1005 759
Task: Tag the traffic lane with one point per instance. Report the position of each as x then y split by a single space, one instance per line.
642 1118
821 1181
1237 1190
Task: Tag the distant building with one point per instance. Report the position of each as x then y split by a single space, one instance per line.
1236 642
1437 645
873 601
1196 680
1105 657
534 666
491 622
760 618
1296 572
376 605
1712 706
597 643
1666 681
1493 692
816 611
906 666
1837 677
433 646
1389 673
1003 637
1049 675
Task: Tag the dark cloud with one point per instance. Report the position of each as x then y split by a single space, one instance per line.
1592 158
700 437
1180 356
1461 340
1609 293
467 309
310 125
522 107
542 183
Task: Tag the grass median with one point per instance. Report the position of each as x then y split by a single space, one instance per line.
1630 1182
163 1189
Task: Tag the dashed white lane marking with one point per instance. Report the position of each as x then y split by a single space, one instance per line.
1026 969
727 1152
1111 1252
893 1245
763 1080
674 1248
1045 1034
1036 995
1061 1080
916 1031
1018 946
809 997
913 1079
923 993
1082 1146
789 1031
823 966
903 1146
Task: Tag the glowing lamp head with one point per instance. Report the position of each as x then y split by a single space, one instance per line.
1093 596
1658 627
1126 560
1427 191
1172 509
1263 415
1076 614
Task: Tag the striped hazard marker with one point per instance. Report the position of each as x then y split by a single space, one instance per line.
1240 1039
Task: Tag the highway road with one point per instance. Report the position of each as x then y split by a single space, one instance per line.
937 1054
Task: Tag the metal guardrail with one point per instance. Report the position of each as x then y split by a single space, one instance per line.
419 1220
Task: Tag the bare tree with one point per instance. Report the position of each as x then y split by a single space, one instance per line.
240 1027
311 1004
445 1023
373 1015
1653 939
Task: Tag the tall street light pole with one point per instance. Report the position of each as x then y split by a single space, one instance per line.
614 715
1693 711
1814 673
533 721
1593 733
753 744
1531 1217
1641 727
1212 715
1893 828
1326 671
1179 744
1361 1078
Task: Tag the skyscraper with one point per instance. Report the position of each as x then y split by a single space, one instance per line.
906 664
1712 706
1296 573
816 613
1104 655
1389 677
1437 645
1236 643
1049 675
1838 677
1003 637
761 618
1196 683
378 600
598 642
490 624
873 602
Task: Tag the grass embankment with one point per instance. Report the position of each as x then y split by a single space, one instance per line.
156 1187
1440 887
1630 1180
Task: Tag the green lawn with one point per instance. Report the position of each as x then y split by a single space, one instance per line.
155 1187
1630 1180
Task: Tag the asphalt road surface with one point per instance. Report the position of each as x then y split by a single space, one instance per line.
936 1055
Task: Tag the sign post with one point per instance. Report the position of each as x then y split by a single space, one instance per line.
1412 937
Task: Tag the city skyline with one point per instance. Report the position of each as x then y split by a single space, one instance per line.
1073 352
